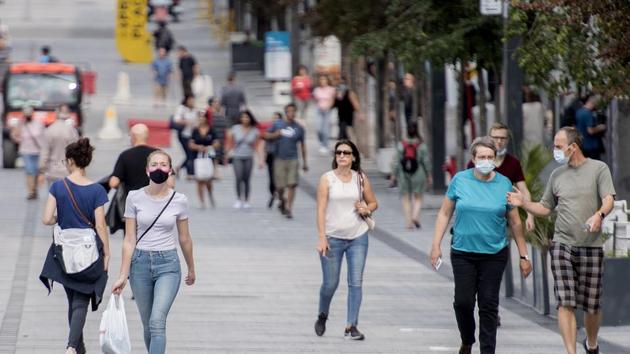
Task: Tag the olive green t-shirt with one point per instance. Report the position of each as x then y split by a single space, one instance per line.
576 193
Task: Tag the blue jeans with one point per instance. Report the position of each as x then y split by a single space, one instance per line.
323 133
356 251
154 279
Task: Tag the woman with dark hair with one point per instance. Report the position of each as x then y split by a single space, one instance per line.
344 199
301 87
186 118
243 144
75 204
412 170
479 246
218 127
204 143
271 149
347 103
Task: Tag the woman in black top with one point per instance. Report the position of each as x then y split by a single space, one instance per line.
203 142
347 104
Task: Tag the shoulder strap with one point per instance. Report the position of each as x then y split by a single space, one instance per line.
156 218
360 184
75 205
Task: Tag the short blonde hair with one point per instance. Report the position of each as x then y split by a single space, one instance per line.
499 126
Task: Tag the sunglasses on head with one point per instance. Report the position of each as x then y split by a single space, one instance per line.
343 152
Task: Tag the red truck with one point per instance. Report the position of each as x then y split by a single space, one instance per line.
43 86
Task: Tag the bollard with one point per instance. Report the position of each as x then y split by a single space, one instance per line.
110 129
123 89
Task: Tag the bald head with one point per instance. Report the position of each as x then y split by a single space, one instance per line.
139 134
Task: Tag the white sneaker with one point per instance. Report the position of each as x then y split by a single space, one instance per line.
246 205
323 151
237 205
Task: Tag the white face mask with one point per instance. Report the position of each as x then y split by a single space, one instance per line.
560 157
484 166
502 152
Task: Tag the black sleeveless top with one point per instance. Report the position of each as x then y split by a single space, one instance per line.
345 109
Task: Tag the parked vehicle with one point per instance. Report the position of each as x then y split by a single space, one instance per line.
44 87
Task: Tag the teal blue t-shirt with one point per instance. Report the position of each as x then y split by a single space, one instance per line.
480 212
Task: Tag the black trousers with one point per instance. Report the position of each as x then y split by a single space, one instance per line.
77 313
187 86
478 276
272 184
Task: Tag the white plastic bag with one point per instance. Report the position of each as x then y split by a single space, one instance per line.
113 332
204 168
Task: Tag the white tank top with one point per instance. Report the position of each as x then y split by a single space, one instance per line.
342 219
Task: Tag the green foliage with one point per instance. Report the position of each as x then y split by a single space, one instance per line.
581 42
535 159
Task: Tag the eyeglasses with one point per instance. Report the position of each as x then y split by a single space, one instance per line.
499 138
343 153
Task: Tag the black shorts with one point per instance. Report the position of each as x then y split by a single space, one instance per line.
577 274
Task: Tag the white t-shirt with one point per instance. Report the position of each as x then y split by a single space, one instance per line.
342 219
144 209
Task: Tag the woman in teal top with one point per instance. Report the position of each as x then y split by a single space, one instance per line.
479 249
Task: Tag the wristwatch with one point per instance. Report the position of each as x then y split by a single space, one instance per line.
525 258
602 215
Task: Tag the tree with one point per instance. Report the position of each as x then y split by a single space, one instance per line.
574 42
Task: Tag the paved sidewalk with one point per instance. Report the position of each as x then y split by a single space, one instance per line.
258 273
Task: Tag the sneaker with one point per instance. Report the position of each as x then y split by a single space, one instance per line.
465 349
323 151
320 324
590 351
246 205
237 205
288 214
353 333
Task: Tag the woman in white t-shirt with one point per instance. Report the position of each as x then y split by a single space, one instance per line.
155 218
342 229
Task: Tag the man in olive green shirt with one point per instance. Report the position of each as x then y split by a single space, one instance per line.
581 192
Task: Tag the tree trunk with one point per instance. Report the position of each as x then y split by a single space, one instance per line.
461 109
481 102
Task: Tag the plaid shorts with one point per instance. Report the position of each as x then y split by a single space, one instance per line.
577 274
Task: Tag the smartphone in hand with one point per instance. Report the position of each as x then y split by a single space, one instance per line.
438 264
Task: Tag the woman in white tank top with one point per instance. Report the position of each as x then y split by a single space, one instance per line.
342 230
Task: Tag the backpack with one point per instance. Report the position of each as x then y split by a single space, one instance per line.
409 160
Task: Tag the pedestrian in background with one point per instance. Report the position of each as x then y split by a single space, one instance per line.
163 37
162 69
186 117
271 150
218 127
46 56
156 218
30 136
233 100
411 170
57 136
128 175
479 248
75 202
301 88
347 103
344 198
289 137
582 193
188 68
591 130
324 95
202 142
243 145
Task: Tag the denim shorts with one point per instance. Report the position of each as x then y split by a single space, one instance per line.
31 164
